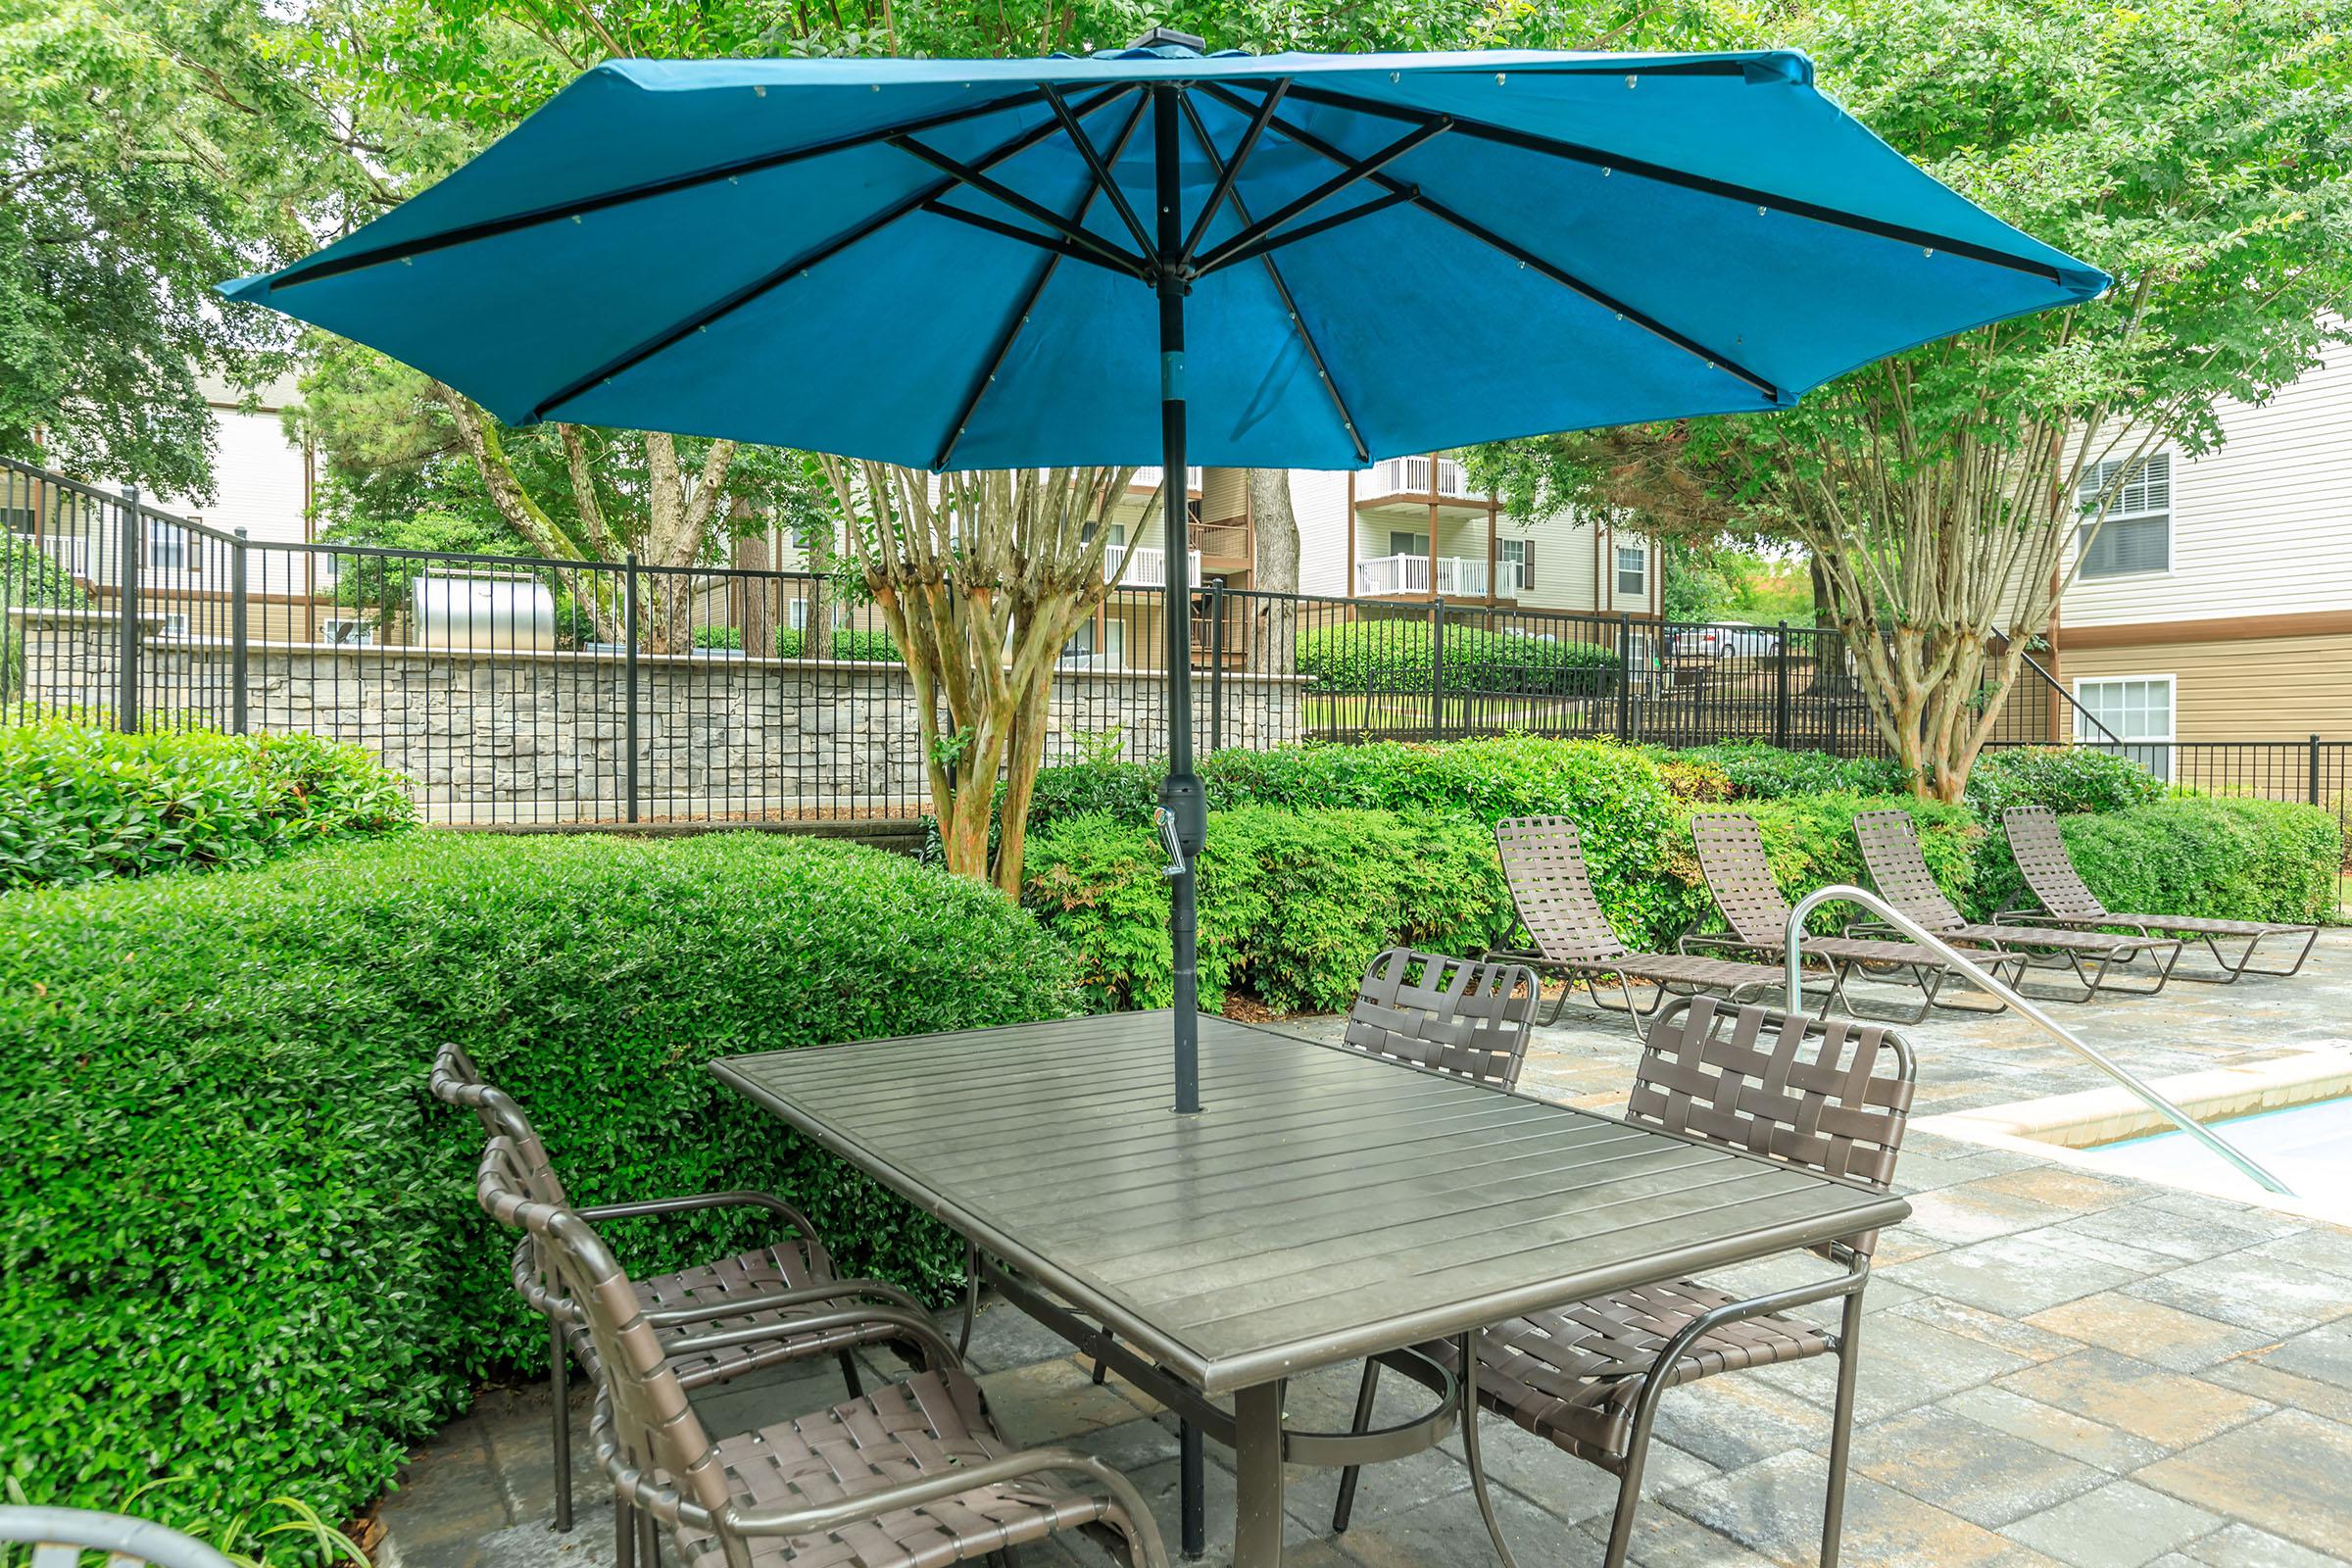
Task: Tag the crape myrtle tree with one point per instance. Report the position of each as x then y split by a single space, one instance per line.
2197 152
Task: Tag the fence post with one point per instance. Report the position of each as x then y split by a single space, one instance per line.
2315 770
1780 695
1216 666
1625 676
629 643
127 602
1436 667
237 635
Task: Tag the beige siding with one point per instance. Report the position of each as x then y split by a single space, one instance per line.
2267 688
2261 526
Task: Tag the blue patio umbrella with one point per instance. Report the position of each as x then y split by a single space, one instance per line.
1153 254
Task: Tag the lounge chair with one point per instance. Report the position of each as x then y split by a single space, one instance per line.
1731 855
2066 900
1890 849
1543 860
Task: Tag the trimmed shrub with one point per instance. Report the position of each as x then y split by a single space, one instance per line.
79 802
846 642
1292 905
243 1245
1758 771
1387 655
2065 778
2225 859
726 637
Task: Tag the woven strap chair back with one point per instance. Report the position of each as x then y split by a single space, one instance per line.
1543 860
661 1441
1831 1095
1731 857
2043 861
1449 1014
1890 843
457 1081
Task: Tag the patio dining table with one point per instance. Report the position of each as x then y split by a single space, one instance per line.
1323 1206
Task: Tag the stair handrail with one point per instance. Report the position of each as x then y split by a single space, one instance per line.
1842 893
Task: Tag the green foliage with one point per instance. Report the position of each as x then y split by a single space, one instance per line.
1292 905
79 802
2065 778
243 1245
1396 655
1702 580
2225 859
855 644
29 576
1759 771
727 637
1810 841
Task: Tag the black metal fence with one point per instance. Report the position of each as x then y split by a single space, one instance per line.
520 690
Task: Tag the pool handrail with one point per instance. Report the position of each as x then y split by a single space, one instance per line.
1842 893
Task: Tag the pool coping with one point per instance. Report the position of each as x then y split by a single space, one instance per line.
2065 1128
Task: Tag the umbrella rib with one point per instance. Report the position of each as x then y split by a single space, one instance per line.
646 190
1536 263
1599 158
965 175
1021 316
1282 289
1290 236
1233 166
1030 236
1102 175
1354 172
802 263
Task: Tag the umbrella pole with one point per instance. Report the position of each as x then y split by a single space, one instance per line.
1180 791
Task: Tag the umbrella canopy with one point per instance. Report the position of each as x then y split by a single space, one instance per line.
1289 261
922 261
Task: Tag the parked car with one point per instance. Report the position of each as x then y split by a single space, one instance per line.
1718 642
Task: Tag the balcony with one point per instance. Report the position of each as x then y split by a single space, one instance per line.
1149 479
1458 577
1147 567
1418 477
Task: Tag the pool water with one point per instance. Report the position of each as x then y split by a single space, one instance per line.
2307 1147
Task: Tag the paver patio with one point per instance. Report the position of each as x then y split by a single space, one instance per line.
2059 1367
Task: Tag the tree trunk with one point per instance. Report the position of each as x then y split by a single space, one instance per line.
755 599
1274 568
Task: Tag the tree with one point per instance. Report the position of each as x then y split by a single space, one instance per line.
982 578
1274 568
2200 154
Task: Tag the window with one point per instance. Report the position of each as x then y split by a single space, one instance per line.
1087 651
2133 708
167 544
1404 542
2137 535
1514 565
797 612
1632 573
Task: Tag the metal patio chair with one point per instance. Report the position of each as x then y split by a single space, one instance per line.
1830 1095
1452 1015
59 1537
1890 843
771 1298
1740 879
1543 860
2067 901
912 1475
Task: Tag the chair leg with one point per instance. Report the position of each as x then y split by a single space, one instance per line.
1363 1423
649 1540
1629 1489
1833 1513
971 1297
559 1378
1641 1024
1471 1452
624 1532
1102 1367
849 1375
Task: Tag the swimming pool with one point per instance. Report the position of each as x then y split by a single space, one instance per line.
2308 1146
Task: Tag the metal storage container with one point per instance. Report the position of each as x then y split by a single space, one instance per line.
482 611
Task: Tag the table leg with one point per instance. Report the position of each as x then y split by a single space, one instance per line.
1258 1473
1191 1487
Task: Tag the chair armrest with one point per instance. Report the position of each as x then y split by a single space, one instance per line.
938 1354
694 1202
965 1478
777 1300
2030 911
1719 941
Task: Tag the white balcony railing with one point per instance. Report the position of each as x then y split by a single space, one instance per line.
1411 477
1147 567
1457 577
1149 478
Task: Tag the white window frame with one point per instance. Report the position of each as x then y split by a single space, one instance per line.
2084 735
1510 561
2096 480
167 546
1640 588
1409 535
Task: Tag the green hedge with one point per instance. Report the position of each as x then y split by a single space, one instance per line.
1387 656
79 802
29 575
846 642
2222 857
1809 840
243 1245
1292 905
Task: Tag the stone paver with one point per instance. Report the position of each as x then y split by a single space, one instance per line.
2058 1368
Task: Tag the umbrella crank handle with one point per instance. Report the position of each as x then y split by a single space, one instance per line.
1171 842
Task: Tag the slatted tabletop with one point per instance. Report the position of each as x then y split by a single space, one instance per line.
1323 1205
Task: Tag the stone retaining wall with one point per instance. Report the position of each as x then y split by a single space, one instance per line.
541 735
